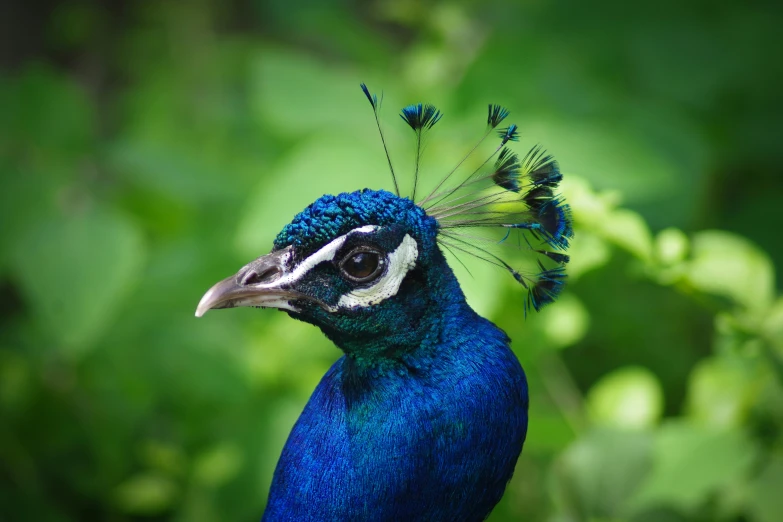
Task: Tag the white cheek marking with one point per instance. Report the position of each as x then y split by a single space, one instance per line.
401 261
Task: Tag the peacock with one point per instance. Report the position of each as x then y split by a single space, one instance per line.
425 414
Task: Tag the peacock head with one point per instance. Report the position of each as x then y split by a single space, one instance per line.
359 265
368 268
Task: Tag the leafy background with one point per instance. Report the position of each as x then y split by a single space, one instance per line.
148 149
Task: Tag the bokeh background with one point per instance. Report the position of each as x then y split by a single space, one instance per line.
148 149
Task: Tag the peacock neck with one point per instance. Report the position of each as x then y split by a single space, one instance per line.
431 323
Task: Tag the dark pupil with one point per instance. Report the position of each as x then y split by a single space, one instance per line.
361 265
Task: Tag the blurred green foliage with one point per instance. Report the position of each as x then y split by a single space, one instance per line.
148 149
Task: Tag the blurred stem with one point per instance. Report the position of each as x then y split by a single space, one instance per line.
774 360
563 389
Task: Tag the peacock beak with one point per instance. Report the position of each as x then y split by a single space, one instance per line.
262 282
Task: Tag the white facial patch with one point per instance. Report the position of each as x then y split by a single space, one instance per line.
400 262
325 253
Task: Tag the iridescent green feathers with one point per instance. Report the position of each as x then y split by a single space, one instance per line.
515 197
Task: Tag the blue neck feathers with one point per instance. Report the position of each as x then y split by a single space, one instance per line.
422 421
409 331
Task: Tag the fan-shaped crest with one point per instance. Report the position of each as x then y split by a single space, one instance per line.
508 197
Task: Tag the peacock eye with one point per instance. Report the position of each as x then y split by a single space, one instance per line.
362 265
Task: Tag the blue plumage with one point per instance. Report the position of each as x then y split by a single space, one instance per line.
550 284
542 168
552 223
372 98
424 416
506 173
420 116
496 114
510 133
332 216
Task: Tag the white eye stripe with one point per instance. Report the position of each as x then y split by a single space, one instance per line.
325 253
400 262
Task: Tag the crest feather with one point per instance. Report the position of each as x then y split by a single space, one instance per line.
489 208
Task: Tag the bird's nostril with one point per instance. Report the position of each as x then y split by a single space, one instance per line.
254 277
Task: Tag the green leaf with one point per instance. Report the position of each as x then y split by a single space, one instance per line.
629 231
764 498
671 246
291 354
171 167
75 273
163 457
692 462
590 208
45 112
552 432
283 84
567 323
217 465
598 214
588 252
606 155
630 397
146 494
597 474
47 134
729 265
720 391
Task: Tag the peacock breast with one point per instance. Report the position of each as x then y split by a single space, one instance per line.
437 443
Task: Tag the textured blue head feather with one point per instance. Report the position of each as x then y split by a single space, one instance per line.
331 216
